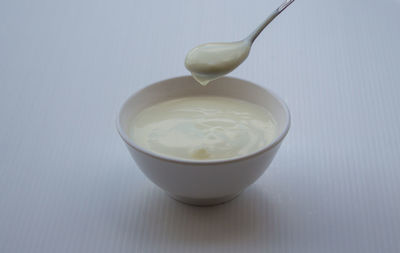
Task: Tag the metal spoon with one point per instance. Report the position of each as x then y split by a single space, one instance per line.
210 61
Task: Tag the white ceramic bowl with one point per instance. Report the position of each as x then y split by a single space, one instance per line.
202 182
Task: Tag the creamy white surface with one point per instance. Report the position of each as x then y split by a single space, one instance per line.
203 127
209 61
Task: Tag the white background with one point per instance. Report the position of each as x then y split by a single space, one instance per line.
67 183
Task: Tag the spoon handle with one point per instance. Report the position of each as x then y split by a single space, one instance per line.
252 37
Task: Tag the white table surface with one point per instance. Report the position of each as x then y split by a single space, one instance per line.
67 183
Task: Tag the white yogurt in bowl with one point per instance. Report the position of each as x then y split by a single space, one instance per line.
203 128
194 162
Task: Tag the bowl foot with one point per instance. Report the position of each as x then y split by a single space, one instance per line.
204 202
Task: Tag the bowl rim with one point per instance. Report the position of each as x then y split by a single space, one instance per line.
277 140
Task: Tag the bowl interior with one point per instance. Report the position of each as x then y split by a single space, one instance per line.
187 86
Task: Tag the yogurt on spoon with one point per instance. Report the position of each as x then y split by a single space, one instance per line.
210 61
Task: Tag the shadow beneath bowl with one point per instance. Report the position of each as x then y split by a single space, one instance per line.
163 220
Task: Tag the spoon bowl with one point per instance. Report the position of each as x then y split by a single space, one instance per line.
216 59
